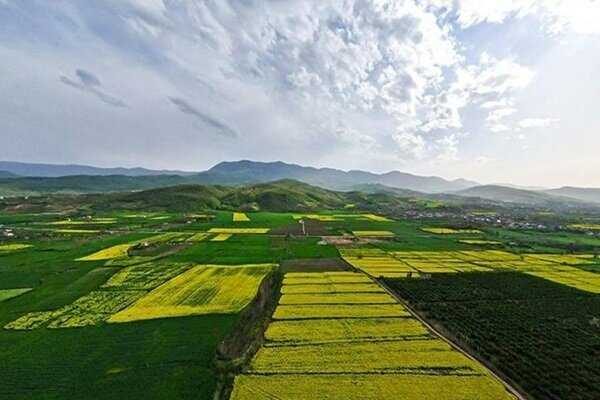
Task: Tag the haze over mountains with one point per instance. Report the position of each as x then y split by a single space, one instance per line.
30 179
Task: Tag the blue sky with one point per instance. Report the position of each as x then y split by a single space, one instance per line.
498 91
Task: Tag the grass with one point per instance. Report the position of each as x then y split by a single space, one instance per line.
6 294
200 290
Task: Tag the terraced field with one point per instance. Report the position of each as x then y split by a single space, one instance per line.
355 349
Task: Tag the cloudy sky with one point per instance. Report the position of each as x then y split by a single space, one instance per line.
496 91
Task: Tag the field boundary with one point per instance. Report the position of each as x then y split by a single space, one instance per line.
508 383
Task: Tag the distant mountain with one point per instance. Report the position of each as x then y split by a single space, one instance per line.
583 194
521 196
29 186
6 174
58 170
244 172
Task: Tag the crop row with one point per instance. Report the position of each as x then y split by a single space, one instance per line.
355 345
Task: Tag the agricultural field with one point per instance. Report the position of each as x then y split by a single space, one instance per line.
200 290
450 231
355 350
150 304
541 334
240 217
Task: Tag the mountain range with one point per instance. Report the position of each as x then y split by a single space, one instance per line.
17 179
58 170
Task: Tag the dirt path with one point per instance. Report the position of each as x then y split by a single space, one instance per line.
510 387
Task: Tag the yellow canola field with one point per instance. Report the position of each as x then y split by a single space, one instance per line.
343 330
239 230
240 217
198 237
204 289
373 233
336 298
221 237
110 253
367 387
13 247
356 352
333 288
367 357
322 311
449 231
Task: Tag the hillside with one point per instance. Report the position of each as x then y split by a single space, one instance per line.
6 174
78 184
583 194
283 195
58 170
528 197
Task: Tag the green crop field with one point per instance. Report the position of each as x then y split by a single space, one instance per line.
161 305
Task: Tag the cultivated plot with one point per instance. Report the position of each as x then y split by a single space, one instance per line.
202 289
351 349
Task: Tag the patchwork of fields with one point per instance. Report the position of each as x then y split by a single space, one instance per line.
135 304
539 333
398 264
338 335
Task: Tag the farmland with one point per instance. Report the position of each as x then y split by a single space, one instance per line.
153 303
518 320
374 350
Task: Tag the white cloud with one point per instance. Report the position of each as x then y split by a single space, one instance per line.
579 16
537 122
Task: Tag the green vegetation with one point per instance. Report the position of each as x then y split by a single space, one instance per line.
542 335
165 294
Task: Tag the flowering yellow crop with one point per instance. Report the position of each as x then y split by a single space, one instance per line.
198 237
240 217
117 251
336 298
373 233
321 311
239 230
221 237
449 231
367 387
333 288
343 330
13 247
365 356
203 289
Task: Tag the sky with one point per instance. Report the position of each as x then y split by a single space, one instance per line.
494 91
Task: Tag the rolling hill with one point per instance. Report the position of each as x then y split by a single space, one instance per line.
520 196
282 195
583 194
59 170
